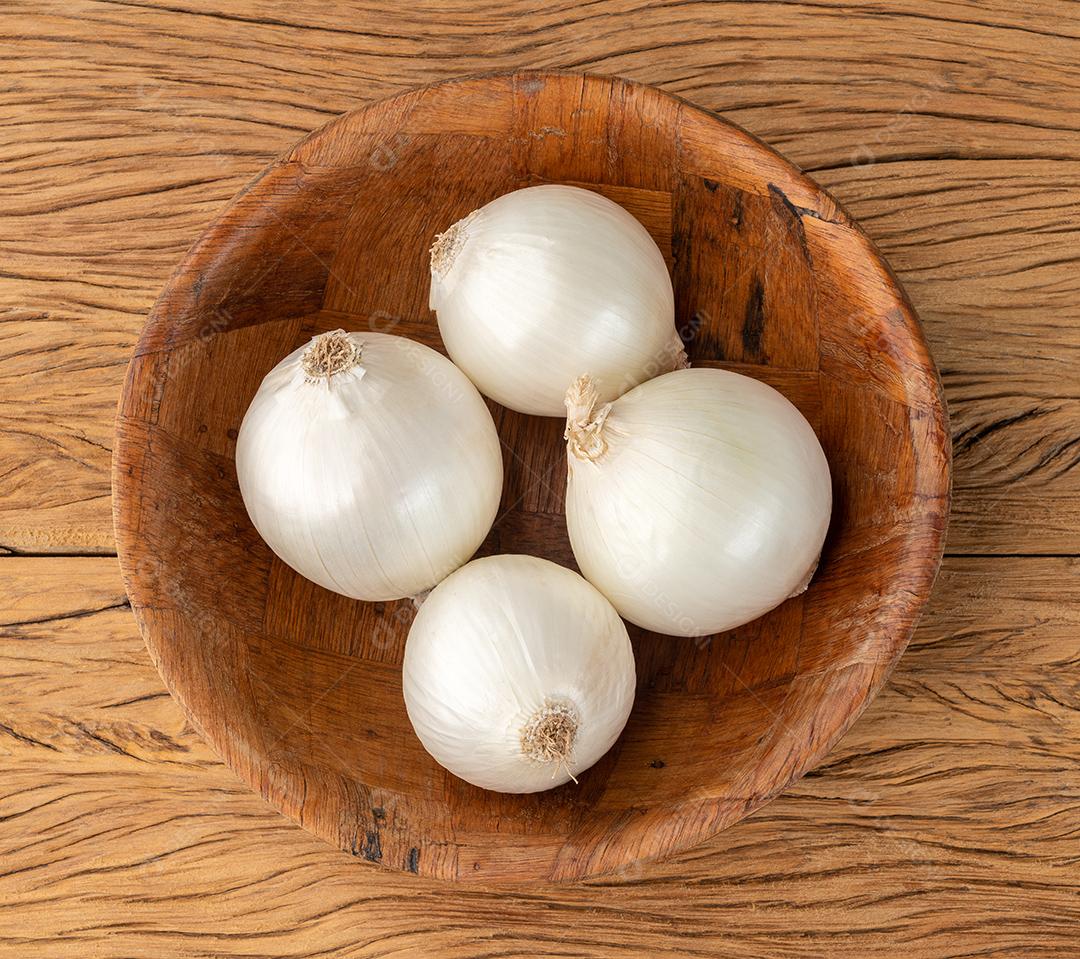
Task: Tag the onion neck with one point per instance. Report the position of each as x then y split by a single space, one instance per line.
548 735
584 433
447 246
330 355
680 360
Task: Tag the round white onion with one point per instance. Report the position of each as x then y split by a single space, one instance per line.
696 502
369 464
518 674
546 283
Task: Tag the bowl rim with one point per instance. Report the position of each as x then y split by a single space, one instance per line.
159 320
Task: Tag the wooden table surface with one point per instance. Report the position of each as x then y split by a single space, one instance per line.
948 821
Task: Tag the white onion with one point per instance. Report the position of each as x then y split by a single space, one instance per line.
547 283
518 674
696 502
369 464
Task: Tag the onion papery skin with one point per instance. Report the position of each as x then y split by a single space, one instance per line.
495 642
549 282
378 481
705 503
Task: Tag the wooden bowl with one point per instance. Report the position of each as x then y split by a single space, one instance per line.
299 689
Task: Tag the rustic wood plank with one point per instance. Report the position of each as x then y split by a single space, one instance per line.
944 824
968 113
988 252
940 827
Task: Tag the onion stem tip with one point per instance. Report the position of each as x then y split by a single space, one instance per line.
448 245
330 354
548 736
584 433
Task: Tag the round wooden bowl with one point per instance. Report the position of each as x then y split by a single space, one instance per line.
299 689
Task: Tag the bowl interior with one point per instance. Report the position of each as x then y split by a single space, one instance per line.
299 689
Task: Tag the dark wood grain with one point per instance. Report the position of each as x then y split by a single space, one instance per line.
336 233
